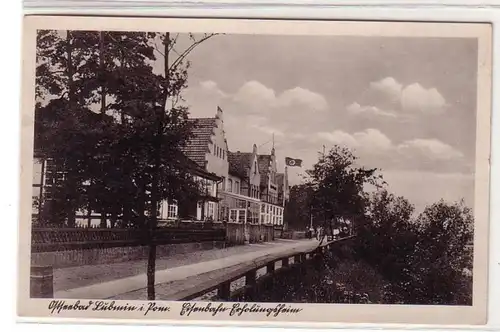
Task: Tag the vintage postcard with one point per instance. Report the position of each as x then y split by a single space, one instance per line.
223 171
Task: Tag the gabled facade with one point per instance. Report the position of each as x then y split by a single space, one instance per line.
240 199
271 211
207 148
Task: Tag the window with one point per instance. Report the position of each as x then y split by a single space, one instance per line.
233 215
263 208
211 210
169 209
209 187
35 199
224 154
242 216
221 185
37 171
255 168
236 187
229 185
172 210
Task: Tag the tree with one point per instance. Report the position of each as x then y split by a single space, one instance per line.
114 126
297 210
387 242
424 258
442 262
338 187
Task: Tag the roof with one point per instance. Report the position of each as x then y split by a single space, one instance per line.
196 169
239 163
197 146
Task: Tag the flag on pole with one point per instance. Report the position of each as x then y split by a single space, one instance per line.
293 162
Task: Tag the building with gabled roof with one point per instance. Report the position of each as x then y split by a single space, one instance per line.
272 209
241 197
207 148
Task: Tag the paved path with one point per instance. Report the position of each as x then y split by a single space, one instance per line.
128 280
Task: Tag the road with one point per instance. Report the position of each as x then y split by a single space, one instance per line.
128 280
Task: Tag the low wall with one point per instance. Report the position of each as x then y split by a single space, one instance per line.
67 239
96 256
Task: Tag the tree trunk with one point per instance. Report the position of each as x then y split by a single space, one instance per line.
103 105
155 188
70 206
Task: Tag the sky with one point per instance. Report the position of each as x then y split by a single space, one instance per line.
404 105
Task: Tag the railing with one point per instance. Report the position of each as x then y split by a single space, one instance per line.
221 280
59 239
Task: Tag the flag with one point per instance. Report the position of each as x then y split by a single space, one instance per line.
292 162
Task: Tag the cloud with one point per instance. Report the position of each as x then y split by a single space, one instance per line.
302 97
357 109
369 140
376 149
390 99
431 148
253 92
389 87
415 98
296 117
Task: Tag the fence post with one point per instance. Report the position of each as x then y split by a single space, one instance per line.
250 283
42 282
284 262
224 291
270 267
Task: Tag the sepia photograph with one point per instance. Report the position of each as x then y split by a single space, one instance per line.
255 169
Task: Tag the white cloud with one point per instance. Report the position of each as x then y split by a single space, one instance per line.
389 98
415 98
373 143
254 92
303 97
389 87
338 137
254 112
369 140
430 148
356 108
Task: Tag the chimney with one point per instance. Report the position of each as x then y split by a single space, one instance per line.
219 113
254 149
